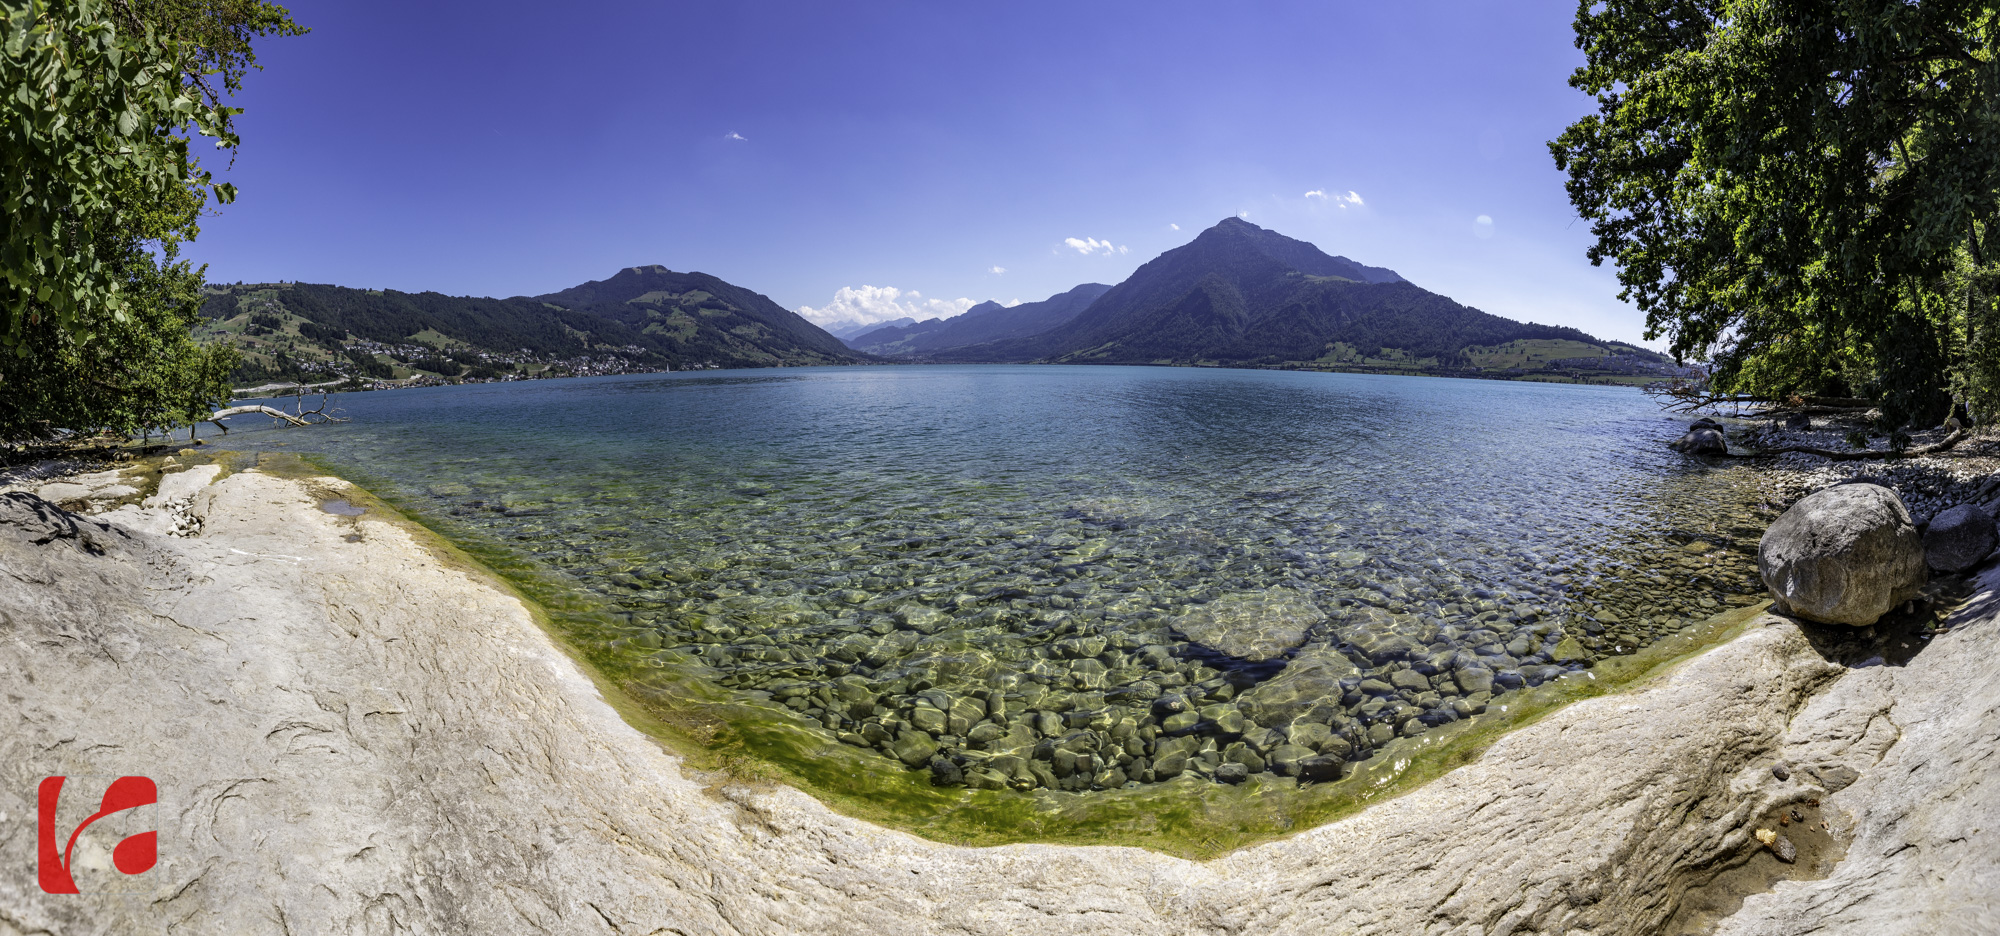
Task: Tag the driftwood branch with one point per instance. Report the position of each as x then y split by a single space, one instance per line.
302 416
1956 436
219 415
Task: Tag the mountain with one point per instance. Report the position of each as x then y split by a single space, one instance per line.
845 332
695 315
1239 294
640 319
985 322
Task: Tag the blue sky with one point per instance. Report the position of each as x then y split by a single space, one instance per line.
948 152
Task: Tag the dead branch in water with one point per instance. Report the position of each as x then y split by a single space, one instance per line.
299 417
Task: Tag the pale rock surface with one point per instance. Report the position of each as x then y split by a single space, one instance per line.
1843 555
355 737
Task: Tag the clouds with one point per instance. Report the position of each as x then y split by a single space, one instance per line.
1482 227
733 135
998 270
1351 198
866 305
1173 227
1091 245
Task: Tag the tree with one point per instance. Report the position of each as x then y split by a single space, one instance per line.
100 191
1799 192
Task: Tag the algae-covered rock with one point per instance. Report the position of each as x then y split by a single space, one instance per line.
1844 555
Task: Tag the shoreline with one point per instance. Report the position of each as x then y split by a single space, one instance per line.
1524 835
1302 367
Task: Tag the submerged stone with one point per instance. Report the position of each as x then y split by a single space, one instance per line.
1252 627
1311 681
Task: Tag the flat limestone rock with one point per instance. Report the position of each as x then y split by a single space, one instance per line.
353 736
1254 627
181 485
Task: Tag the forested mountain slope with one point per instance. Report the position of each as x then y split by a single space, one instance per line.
641 319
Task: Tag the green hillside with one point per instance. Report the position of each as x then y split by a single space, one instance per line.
643 319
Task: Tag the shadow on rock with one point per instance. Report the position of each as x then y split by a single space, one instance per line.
1905 631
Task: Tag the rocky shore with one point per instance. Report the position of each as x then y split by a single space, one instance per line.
354 730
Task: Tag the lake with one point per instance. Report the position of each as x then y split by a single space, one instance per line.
1045 578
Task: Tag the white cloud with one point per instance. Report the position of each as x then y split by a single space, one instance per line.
733 135
1091 245
1244 214
1352 198
1317 193
1173 227
1482 226
996 271
866 305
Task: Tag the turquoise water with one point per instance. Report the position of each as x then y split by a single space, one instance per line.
1081 577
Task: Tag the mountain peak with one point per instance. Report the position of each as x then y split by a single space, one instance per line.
1296 254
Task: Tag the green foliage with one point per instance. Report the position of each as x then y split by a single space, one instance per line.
100 190
442 366
100 99
1786 188
143 374
367 366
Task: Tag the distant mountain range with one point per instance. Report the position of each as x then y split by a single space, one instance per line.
1237 295
1242 295
985 322
844 332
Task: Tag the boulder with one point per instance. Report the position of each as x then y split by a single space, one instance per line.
1702 438
1958 538
1798 422
1845 555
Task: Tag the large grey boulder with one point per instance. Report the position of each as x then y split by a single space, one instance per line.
1959 538
1844 555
